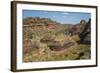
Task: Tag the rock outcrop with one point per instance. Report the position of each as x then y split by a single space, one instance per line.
85 36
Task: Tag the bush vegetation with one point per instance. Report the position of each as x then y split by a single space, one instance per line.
50 44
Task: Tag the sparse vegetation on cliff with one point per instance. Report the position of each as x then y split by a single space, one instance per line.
48 40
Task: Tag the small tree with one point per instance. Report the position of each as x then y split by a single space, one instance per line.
82 22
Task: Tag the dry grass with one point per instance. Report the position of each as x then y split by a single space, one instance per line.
43 53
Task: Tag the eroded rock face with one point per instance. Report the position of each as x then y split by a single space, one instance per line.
77 28
85 34
83 30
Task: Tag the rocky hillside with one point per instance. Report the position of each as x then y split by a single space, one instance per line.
48 40
38 21
85 34
83 30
